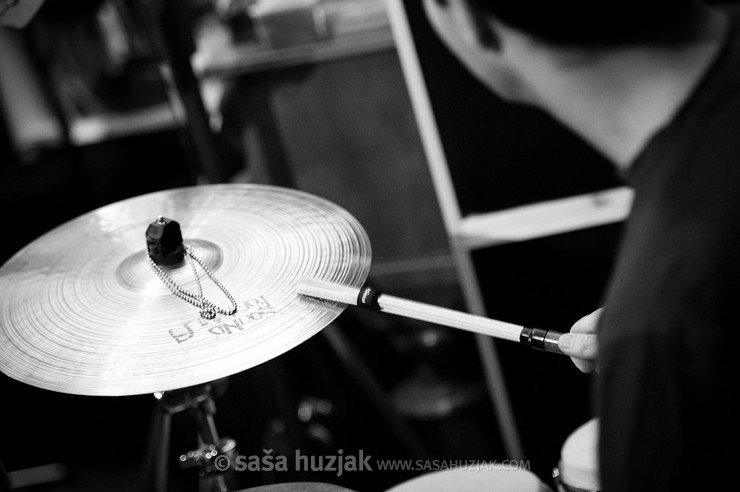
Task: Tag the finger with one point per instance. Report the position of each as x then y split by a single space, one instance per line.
582 348
585 366
587 324
580 345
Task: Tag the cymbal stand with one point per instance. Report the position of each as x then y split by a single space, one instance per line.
215 456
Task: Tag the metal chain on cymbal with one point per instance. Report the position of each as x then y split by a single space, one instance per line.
208 310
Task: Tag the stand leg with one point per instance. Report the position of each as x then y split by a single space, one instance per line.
199 403
164 421
169 29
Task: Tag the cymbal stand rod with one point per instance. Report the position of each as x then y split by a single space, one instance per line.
203 414
209 438
163 426
199 402
210 441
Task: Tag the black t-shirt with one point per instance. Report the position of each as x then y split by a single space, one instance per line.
669 362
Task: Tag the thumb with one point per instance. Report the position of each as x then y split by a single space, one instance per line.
580 345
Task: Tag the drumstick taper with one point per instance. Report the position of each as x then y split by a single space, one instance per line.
367 297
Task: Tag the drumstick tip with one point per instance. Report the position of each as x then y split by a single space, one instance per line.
322 289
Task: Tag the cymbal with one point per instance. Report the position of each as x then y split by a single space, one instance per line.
83 312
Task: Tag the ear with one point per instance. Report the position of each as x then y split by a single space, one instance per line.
463 23
480 21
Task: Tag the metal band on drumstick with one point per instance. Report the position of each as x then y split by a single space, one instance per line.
367 297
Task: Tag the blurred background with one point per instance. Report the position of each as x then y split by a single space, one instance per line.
355 101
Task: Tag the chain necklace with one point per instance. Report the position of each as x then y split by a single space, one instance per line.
208 310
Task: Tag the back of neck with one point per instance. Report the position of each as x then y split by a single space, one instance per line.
617 99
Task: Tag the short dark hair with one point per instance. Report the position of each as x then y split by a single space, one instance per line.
594 22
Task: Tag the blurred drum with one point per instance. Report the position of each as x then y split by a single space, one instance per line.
578 470
298 487
472 479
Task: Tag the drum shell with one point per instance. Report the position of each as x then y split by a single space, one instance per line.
578 469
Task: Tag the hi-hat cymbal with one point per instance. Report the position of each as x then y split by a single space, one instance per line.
83 312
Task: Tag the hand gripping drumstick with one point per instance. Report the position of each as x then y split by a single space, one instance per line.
367 297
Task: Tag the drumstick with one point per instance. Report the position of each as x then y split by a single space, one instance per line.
367 297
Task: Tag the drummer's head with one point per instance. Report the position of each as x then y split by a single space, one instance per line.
496 39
